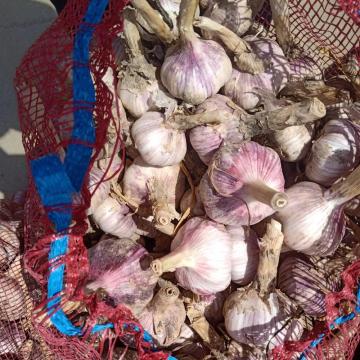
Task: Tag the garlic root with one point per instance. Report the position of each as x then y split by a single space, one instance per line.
244 58
154 19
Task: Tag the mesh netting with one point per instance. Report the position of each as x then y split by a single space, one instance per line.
327 30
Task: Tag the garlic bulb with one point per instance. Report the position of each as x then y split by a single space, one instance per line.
253 315
313 221
244 256
206 139
293 143
213 306
242 86
200 254
114 218
234 14
244 185
163 187
12 299
194 69
9 243
158 144
113 262
334 153
197 208
305 283
164 316
304 68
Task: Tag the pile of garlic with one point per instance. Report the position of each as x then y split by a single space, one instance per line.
239 158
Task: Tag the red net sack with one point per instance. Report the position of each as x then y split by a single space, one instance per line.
327 30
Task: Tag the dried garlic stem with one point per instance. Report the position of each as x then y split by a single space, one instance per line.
169 263
186 122
154 19
347 189
270 248
131 33
295 114
265 194
167 294
186 17
280 14
244 58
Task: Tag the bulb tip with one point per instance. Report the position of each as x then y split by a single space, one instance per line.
279 201
156 267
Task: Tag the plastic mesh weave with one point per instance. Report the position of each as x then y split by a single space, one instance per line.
327 30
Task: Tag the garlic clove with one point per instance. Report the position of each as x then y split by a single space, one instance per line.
158 144
114 218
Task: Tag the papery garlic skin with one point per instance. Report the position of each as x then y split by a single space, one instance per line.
206 139
9 243
226 190
186 202
235 15
293 143
158 144
114 218
241 87
334 153
312 223
118 266
12 299
200 254
251 320
244 256
195 69
304 68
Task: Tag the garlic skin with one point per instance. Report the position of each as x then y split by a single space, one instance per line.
251 320
235 15
244 185
114 218
206 139
334 153
164 316
186 202
162 187
178 70
242 86
112 263
244 256
304 68
293 143
9 242
158 144
12 336
200 254
312 223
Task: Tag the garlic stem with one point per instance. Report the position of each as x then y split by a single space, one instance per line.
170 262
186 18
154 19
131 33
347 189
265 194
167 294
186 122
244 58
270 248
280 15
300 113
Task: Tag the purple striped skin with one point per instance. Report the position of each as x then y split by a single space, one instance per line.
195 69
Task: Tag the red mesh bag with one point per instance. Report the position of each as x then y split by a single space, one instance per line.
326 30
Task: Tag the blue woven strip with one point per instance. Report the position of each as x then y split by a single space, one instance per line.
338 321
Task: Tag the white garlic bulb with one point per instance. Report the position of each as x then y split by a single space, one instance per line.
158 144
293 143
114 218
242 87
194 69
245 254
334 153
